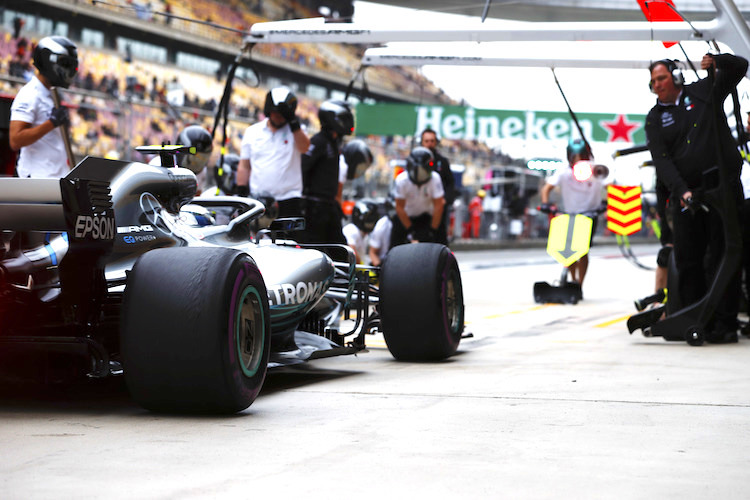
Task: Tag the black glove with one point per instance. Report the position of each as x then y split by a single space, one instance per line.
545 208
294 124
243 191
430 235
694 205
59 116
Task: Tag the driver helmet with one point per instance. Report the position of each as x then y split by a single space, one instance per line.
357 157
578 148
195 135
56 58
271 213
280 99
225 173
336 115
365 215
419 165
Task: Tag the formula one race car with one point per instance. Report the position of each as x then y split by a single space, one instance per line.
104 264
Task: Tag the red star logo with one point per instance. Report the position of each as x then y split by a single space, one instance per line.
620 129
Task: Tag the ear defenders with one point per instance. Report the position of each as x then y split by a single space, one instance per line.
671 66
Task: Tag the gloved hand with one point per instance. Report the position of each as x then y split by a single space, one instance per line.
290 117
410 237
294 124
243 191
545 208
430 235
59 116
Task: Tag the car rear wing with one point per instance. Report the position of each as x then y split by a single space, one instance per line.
31 205
80 207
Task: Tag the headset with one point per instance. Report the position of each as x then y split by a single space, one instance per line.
672 67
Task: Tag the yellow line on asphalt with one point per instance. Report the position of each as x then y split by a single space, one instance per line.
519 311
612 321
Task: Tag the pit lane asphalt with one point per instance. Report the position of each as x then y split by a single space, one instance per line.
544 401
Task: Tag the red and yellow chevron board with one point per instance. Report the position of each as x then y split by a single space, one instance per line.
624 209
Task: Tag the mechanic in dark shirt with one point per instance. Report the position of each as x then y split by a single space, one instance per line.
320 174
682 141
430 141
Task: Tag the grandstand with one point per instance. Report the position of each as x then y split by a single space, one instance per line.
144 76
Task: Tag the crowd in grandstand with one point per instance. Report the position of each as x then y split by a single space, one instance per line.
120 101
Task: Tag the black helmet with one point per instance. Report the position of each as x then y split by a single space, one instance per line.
195 135
271 213
420 164
337 116
280 99
225 173
357 157
365 214
56 58
578 147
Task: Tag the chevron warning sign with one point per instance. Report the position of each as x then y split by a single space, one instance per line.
624 209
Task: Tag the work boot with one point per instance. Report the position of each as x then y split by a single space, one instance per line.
722 335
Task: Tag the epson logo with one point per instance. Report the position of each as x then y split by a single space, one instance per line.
146 228
95 227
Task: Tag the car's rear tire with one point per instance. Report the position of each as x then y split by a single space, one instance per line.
195 332
421 302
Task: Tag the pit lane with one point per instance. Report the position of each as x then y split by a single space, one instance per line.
543 401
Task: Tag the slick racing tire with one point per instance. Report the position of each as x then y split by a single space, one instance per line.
195 332
421 302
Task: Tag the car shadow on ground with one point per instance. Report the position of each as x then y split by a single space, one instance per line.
86 396
297 376
34 389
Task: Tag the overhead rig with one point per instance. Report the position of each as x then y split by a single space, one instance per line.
728 27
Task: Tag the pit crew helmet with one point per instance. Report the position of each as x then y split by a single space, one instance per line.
578 147
56 58
282 100
357 157
271 213
365 214
195 135
336 115
225 173
419 165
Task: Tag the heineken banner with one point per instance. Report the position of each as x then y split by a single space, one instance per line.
457 122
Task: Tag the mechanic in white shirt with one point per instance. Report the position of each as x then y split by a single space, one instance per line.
34 119
271 153
419 198
580 193
364 216
380 240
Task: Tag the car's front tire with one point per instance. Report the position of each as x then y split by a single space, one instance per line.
195 332
421 302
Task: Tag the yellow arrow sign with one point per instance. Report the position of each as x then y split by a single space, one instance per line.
569 238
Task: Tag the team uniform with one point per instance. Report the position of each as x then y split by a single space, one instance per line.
46 158
419 204
356 239
577 196
443 168
683 145
275 165
380 237
320 180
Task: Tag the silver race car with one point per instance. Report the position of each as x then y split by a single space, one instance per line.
121 269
